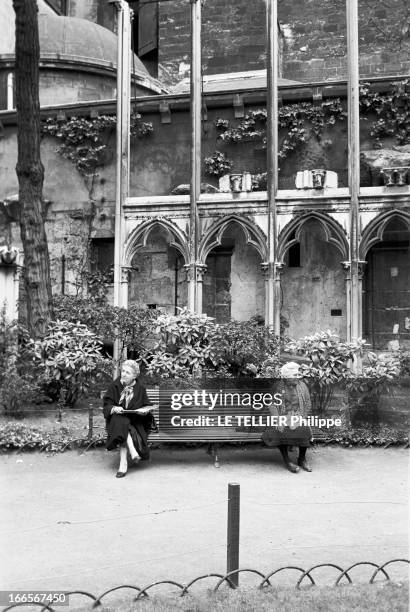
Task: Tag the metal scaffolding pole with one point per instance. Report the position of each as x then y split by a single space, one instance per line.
355 297
195 154
272 317
122 147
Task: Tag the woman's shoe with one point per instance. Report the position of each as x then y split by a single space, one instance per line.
292 467
305 465
120 474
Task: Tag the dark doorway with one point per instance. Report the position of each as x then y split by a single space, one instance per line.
386 286
217 284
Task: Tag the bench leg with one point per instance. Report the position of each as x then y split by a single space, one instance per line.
216 456
215 449
212 449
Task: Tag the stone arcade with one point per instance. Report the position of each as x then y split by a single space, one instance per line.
305 281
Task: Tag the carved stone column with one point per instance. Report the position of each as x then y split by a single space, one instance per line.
200 271
360 274
191 282
273 296
354 305
9 281
346 268
125 281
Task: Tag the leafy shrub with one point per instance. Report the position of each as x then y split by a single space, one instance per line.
404 358
247 348
367 436
70 355
376 376
133 327
329 365
366 387
186 342
17 392
18 436
8 342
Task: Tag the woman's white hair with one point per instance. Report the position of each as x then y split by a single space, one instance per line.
133 365
288 369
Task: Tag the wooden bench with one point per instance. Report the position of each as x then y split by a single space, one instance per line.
211 436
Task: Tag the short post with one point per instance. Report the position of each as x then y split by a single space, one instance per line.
90 422
232 552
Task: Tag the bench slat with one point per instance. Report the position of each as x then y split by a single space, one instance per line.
208 434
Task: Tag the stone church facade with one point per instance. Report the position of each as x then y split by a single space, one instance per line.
78 67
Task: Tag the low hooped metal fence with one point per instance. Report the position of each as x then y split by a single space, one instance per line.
262 585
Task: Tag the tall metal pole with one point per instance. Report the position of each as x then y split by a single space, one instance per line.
355 300
195 156
272 285
122 147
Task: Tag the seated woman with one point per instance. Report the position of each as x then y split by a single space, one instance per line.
128 431
295 402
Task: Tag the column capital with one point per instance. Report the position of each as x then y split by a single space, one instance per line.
125 274
195 271
275 268
200 271
361 264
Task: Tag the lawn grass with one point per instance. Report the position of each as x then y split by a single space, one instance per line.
380 597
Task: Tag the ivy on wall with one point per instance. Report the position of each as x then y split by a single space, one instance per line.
392 112
84 141
297 122
387 112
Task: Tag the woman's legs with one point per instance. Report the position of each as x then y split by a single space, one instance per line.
302 459
122 470
284 452
130 444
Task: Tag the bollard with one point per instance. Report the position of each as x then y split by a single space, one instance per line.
90 423
232 550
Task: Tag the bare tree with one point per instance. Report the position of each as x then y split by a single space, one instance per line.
30 170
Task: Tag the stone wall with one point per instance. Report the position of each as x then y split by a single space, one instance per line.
153 276
233 37
318 281
62 86
313 35
315 38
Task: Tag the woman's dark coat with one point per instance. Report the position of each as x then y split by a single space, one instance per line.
120 425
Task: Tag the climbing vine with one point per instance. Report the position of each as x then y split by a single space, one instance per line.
218 164
392 110
296 119
297 122
84 141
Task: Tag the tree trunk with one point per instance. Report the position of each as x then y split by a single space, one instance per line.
30 170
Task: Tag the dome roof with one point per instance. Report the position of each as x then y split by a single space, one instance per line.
80 40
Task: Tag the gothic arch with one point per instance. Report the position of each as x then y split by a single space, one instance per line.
373 233
334 233
139 237
213 236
